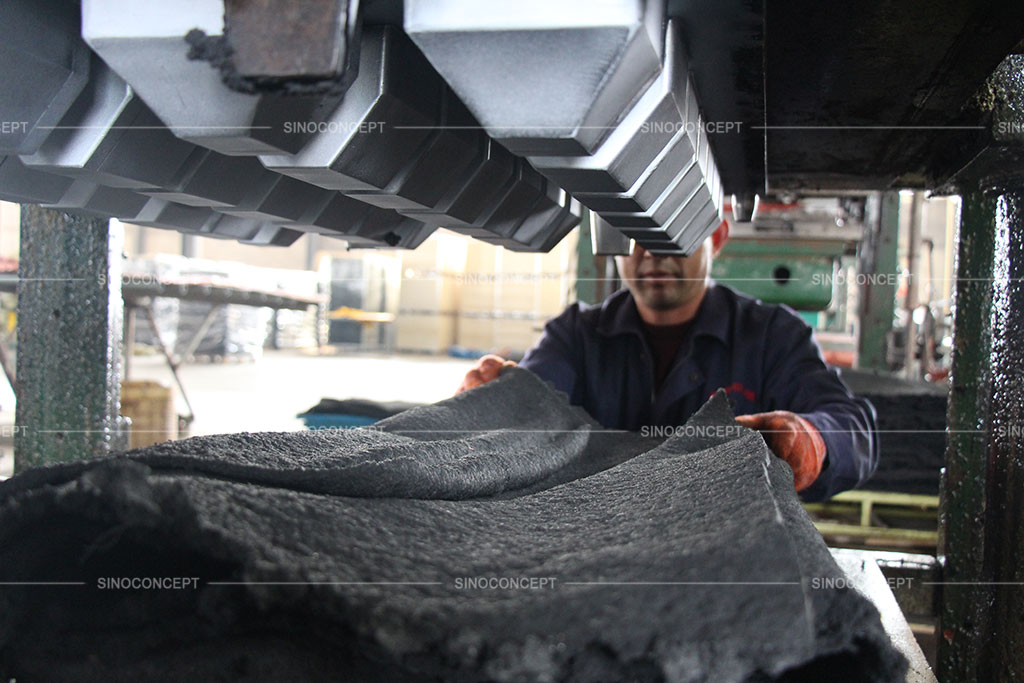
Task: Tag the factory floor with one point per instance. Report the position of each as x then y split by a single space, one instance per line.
267 394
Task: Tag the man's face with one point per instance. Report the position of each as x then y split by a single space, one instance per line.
663 283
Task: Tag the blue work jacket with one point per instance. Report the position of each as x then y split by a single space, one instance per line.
764 356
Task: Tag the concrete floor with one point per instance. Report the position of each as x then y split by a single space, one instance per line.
267 394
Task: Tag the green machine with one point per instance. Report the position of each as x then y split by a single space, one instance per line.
805 274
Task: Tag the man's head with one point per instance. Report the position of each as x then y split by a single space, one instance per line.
667 288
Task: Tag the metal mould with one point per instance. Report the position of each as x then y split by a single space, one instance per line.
268 235
643 135
215 180
469 202
28 186
546 221
517 200
44 66
247 231
444 162
684 231
544 78
665 169
205 222
408 235
386 117
282 199
607 240
91 199
659 176
552 214
110 137
687 185
363 225
160 213
567 220
145 44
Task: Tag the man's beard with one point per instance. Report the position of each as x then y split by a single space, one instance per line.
665 297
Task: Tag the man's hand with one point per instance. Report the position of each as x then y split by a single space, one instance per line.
793 439
486 369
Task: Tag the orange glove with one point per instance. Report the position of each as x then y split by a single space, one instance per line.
486 369
793 439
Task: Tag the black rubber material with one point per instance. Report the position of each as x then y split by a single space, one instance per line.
499 535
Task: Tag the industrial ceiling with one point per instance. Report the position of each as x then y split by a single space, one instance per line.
378 122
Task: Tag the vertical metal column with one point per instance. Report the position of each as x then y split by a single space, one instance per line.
586 268
878 295
910 369
69 338
983 509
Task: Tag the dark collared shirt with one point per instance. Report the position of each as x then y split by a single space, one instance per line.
764 356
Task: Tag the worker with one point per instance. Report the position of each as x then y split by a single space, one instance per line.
653 353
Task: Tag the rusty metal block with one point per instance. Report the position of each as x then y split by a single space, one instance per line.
145 44
388 114
279 40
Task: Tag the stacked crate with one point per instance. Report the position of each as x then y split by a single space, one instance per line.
506 297
478 296
428 300
150 406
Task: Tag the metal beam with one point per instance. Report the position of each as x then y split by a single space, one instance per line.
586 267
983 507
69 338
878 294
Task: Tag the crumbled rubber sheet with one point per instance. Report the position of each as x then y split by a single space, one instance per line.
500 535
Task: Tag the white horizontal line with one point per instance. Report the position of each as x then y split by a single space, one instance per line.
867 127
681 583
972 583
155 127
324 583
42 583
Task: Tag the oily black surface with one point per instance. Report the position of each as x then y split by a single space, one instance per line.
683 560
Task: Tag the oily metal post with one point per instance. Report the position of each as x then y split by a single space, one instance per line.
69 338
983 508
